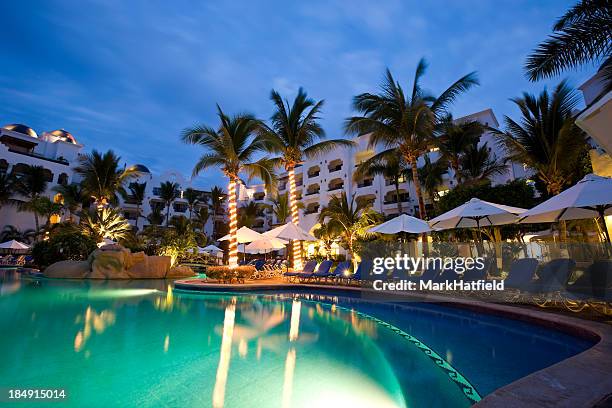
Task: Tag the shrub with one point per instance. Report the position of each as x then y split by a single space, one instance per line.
62 247
225 274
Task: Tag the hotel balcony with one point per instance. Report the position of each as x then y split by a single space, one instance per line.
311 208
314 171
334 165
335 184
313 189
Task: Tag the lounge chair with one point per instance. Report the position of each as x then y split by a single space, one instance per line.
308 269
340 272
362 273
322 271
553 276
522 273
593 287
478 273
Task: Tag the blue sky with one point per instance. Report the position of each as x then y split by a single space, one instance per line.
129 75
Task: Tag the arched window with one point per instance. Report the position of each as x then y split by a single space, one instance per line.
62 179
48 175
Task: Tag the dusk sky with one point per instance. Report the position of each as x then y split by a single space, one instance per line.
130 75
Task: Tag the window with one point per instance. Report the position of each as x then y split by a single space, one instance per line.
62 179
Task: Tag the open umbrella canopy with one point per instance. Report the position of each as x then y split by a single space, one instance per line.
12 244
244 235
212 248
402 223
290 231
591 197
264 245
477 213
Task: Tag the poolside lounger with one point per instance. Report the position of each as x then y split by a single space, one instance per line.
481 273
308 269
553 276
340 272
322 272
362 272
595 282
522 273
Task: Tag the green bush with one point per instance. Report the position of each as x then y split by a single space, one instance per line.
63 247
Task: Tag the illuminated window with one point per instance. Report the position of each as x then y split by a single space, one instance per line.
58 199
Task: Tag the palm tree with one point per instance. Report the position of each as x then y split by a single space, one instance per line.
11 232
478 165
404 123
8 186
137 195
293 134
453 139
155 217
47 208
387 164
73 197
247 214
431 176
232 146
350 219
217 197
582 35
193 197
281 208
168 192
546 138
101 176
327 236
31 184
201 218
103 223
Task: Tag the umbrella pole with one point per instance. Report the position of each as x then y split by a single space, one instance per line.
605 226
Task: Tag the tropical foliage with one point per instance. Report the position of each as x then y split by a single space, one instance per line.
404 123
546 138
168 192
11 232
232 146
281 208
102 178
350 219
581 36
104 223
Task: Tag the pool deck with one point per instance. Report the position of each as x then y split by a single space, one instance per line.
584 380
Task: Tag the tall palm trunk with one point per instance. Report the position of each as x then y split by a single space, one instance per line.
137 215
455 167
397 195
233 225
412 161
297 250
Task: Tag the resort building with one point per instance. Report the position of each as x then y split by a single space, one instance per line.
20 146
331 174
153 201
596 120
58 152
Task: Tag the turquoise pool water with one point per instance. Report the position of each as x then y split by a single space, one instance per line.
138 344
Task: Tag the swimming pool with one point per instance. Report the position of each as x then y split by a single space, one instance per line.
139 344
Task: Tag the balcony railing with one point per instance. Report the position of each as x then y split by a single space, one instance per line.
335 168
308 193
334 188
311 210
365 183
314 174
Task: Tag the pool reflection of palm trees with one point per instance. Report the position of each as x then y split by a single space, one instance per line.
92 322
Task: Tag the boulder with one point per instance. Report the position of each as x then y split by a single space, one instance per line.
67 270
109 264
181 271
151 267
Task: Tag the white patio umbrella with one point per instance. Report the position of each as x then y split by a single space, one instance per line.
591 197
212 248
244 235
12 244
291 232
402 223
264 245
476 213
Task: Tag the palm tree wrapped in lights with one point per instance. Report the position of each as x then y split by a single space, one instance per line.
293 132
232 146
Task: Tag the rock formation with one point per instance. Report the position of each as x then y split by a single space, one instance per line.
117 262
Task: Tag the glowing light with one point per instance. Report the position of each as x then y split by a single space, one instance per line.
233 224
226 350
297 250
288 381
243 348
166 343
294 328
